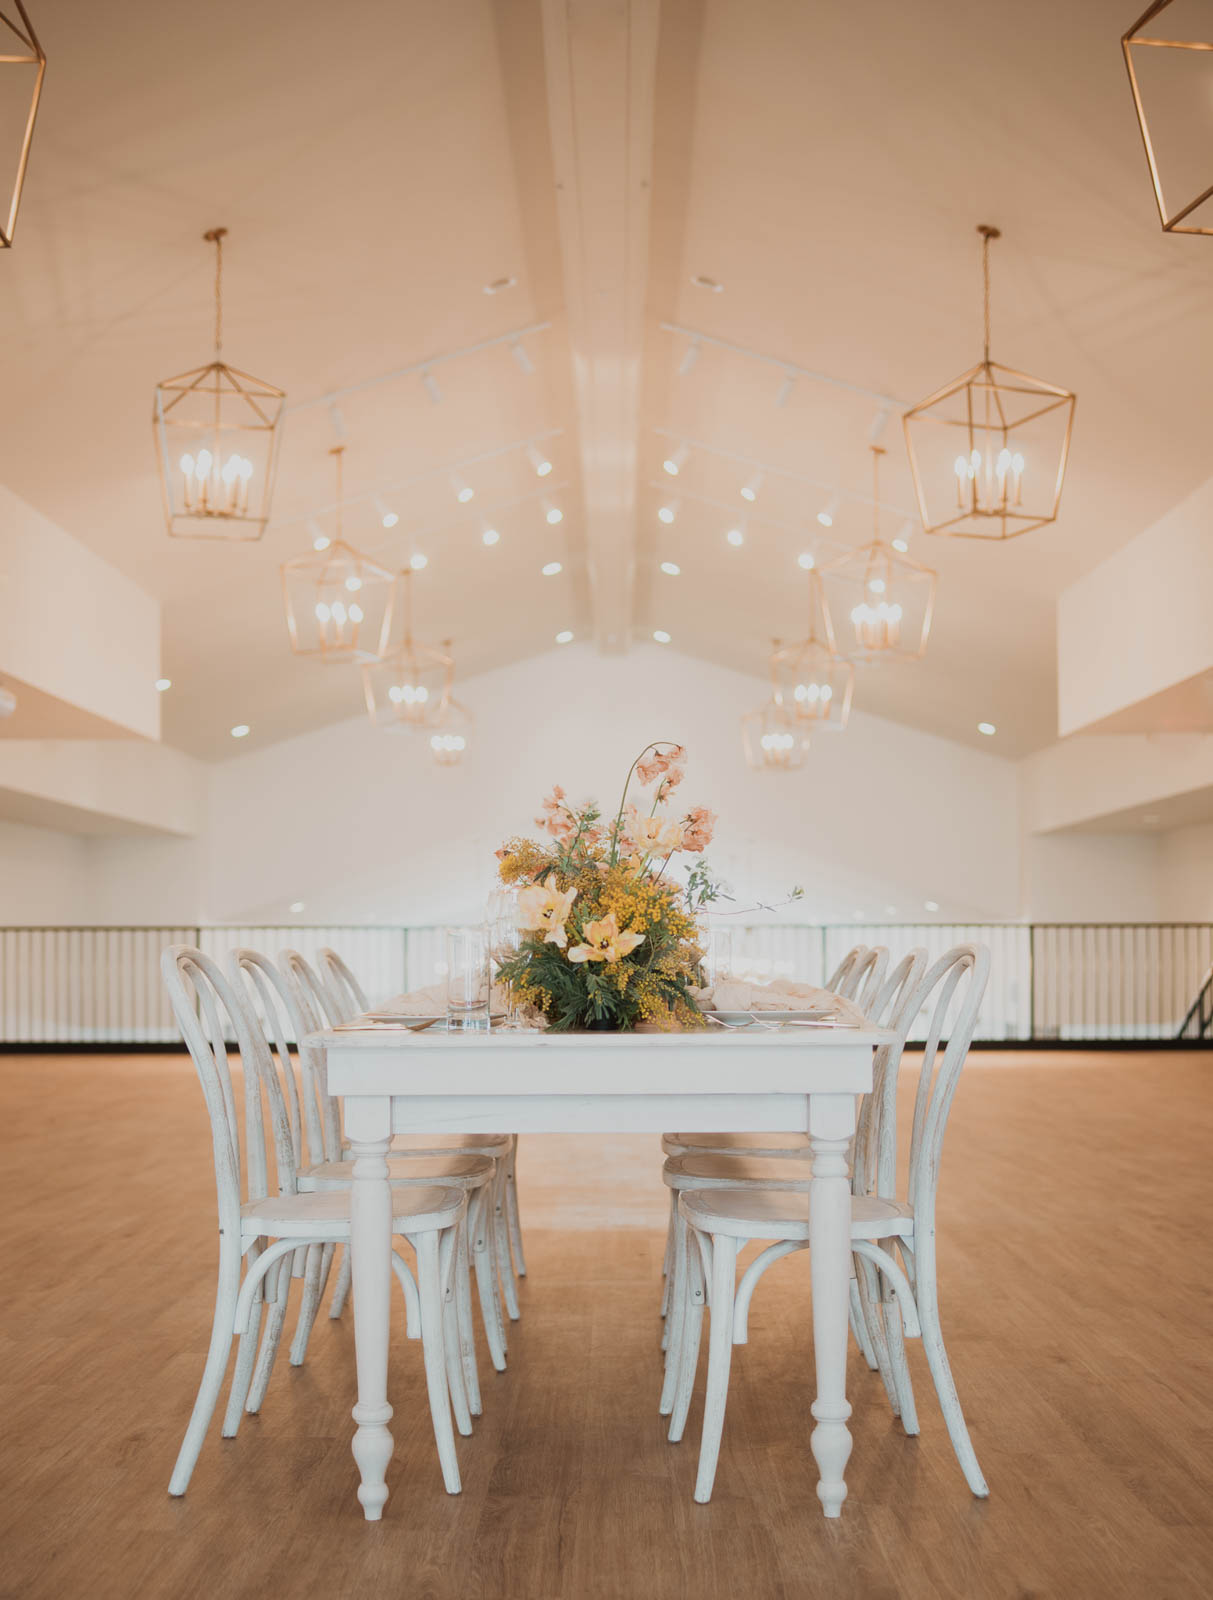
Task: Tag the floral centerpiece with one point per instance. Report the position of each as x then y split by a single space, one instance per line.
609 938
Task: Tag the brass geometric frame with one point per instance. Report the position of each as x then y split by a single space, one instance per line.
773 738
989 403
1170 223
32 55
217 411
825 701
397 685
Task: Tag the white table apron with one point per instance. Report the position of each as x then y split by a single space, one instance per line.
424 1083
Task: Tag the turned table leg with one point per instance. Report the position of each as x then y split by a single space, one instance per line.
831 1124
370 1256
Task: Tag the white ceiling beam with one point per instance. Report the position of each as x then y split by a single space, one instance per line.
600 61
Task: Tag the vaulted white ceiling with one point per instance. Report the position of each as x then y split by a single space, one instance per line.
379 165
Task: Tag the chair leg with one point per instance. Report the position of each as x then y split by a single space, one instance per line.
676 1288
720 1353
501 1244
691 1326
941 1372
447 1256
899 1367
309 1304
486 1277
667 1262
226 1293
512 1217
870 1290
859 1328
341 1292
270 1338
242 1373
429 1283
466 1330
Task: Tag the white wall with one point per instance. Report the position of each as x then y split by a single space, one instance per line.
43 877
1091 877
358 823
1186 874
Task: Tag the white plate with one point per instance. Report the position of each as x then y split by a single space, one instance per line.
776 1019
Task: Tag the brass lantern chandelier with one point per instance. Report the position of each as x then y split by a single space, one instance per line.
410 685
1177 86
19 47
217 432
772 737
450 740
887 599
814 679
338 601
988 451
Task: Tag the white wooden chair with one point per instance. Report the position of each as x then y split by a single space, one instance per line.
895 1008
883 1228
283 1013
342 984
263 1232
490 1239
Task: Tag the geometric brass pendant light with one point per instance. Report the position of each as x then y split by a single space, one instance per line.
988 451
772 737
409 686
1174 77
888 598
19 51
217 435
813 679
338 601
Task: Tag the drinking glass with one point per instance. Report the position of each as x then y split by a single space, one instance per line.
506 938
467 980
716 940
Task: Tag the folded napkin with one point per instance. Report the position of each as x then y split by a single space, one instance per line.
431 1002
732 994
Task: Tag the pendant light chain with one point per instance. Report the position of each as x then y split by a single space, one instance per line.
987 233
877 452
338 450
215 237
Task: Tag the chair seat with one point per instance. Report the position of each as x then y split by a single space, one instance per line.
770 1214
326 1215
712 1171
751 1144
466 1144
460 1171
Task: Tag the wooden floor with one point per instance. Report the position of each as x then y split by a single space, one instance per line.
1077 1305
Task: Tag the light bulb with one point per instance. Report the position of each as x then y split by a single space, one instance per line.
900 544
338 612
322 611
187 465
565 636
661 636
987 728
555 515
666 514
876 585
827 693
353 583
390 519
355 612
826 520
164 683
670 568
806 560
296 906
321 542
735 536
490 536
240 731
551 569
419 562
205 461
395 694
539 461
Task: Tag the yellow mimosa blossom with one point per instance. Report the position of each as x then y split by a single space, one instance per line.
543 908
604 941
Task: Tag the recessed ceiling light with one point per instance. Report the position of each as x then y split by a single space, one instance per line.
296 906
826 520
463 491
565 636
551 569
735 536
661 636
240 731
670 568
930 905
418 561
900 544
749 491
702 281
499 284
806 560
390 519
490 536
675 461
554 515
987 728
164 683
666 514
321 542
539 461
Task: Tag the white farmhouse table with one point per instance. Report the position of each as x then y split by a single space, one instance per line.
402 1082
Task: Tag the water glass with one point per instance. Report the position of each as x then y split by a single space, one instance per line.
467 980
716 940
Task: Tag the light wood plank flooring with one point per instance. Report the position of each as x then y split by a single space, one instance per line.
1077 1305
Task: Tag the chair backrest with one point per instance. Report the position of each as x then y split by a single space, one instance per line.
841 974
201 997
280 1011
344 987
955 1015
894 1007
868 978
322 1009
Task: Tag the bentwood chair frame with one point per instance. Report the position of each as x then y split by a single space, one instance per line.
895 1239
262 1233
